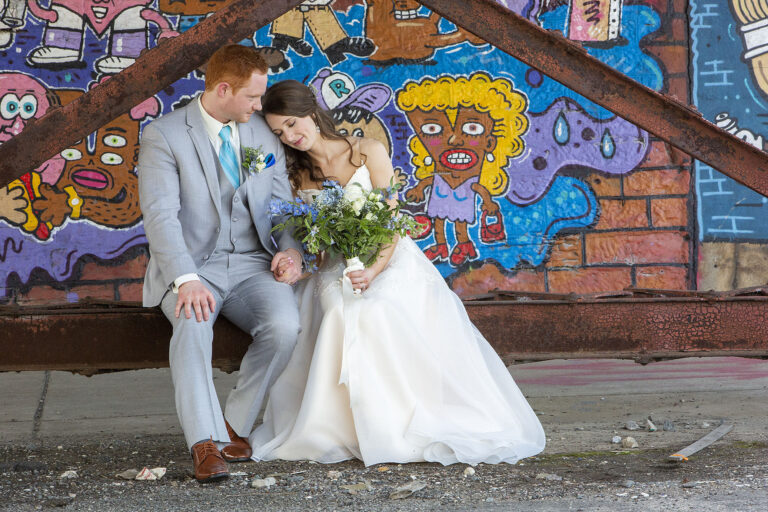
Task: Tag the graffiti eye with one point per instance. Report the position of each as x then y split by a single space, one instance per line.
28 106
358 132
344 132
9 106
111 159
431 129
71 154
473 128
115 141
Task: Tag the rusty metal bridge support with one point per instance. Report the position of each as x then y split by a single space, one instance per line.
643 325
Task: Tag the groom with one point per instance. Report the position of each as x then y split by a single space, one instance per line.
207 172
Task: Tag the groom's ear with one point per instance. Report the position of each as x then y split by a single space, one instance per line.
221 89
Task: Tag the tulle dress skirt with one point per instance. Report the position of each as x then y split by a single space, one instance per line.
398 374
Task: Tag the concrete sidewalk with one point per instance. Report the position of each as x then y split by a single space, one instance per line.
581 403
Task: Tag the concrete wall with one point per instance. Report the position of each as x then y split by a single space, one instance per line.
579 200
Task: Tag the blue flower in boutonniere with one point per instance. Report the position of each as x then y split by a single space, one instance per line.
255 161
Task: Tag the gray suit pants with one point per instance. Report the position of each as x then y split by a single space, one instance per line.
260 306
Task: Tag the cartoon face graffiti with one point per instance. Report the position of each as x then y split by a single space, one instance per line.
22 98
100 173
457 140
353 108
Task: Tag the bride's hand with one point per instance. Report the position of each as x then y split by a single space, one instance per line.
361 279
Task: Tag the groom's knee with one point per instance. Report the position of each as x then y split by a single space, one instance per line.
280 334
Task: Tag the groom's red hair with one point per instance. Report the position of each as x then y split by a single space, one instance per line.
233 64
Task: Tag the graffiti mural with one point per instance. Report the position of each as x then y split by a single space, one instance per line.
502 164
729 48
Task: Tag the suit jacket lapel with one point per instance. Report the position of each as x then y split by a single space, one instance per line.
205 153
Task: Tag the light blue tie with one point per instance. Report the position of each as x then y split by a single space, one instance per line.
228 158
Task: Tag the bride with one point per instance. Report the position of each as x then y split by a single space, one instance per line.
398 373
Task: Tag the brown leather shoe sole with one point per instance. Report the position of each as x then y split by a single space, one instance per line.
213 478
238 445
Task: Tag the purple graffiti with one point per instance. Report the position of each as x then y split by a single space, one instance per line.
23 253
566 136
526 8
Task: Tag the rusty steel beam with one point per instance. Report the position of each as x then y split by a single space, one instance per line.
151 73
568 63
115 336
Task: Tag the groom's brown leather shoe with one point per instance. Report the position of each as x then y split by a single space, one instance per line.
238 449
208 462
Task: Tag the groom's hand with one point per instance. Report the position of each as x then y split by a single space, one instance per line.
195 295
286 266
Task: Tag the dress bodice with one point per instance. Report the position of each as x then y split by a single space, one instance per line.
361 176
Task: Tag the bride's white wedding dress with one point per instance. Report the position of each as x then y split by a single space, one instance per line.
398 374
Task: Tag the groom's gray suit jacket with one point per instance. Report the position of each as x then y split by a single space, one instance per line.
181 200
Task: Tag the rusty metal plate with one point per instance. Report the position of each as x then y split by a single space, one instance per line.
116 336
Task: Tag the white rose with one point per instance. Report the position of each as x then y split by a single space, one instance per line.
357 205
368 216
354 192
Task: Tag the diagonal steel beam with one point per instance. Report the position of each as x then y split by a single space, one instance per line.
569 64
151 73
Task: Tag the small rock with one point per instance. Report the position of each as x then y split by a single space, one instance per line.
68 474
628 483
580 429
128 474
406 490
632 425
629 442
264 482
382 469
705 424
669 426
548 476
365 485
616 439
334 475
690 485
651 426
470 471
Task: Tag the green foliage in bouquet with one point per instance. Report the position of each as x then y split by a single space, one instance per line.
345 222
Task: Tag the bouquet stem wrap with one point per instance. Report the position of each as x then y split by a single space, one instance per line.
353 264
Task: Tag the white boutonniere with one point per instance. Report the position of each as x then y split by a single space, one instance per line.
255 161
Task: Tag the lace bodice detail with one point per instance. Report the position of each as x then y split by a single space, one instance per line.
361 176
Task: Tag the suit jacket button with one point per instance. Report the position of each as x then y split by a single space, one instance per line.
237 199
205 257
218 230
234 219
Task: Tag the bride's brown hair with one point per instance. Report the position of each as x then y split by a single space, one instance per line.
293 98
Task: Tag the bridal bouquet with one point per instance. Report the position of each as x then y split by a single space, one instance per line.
350 223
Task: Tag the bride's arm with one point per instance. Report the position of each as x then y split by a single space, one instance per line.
382 176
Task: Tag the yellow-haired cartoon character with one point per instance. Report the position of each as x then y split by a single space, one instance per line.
466 130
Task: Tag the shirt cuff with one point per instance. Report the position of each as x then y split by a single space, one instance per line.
183 279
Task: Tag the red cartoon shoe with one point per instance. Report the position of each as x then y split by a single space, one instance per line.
426 227
490 233
437 252
463 252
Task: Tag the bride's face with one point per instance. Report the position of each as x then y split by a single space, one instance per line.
297 132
